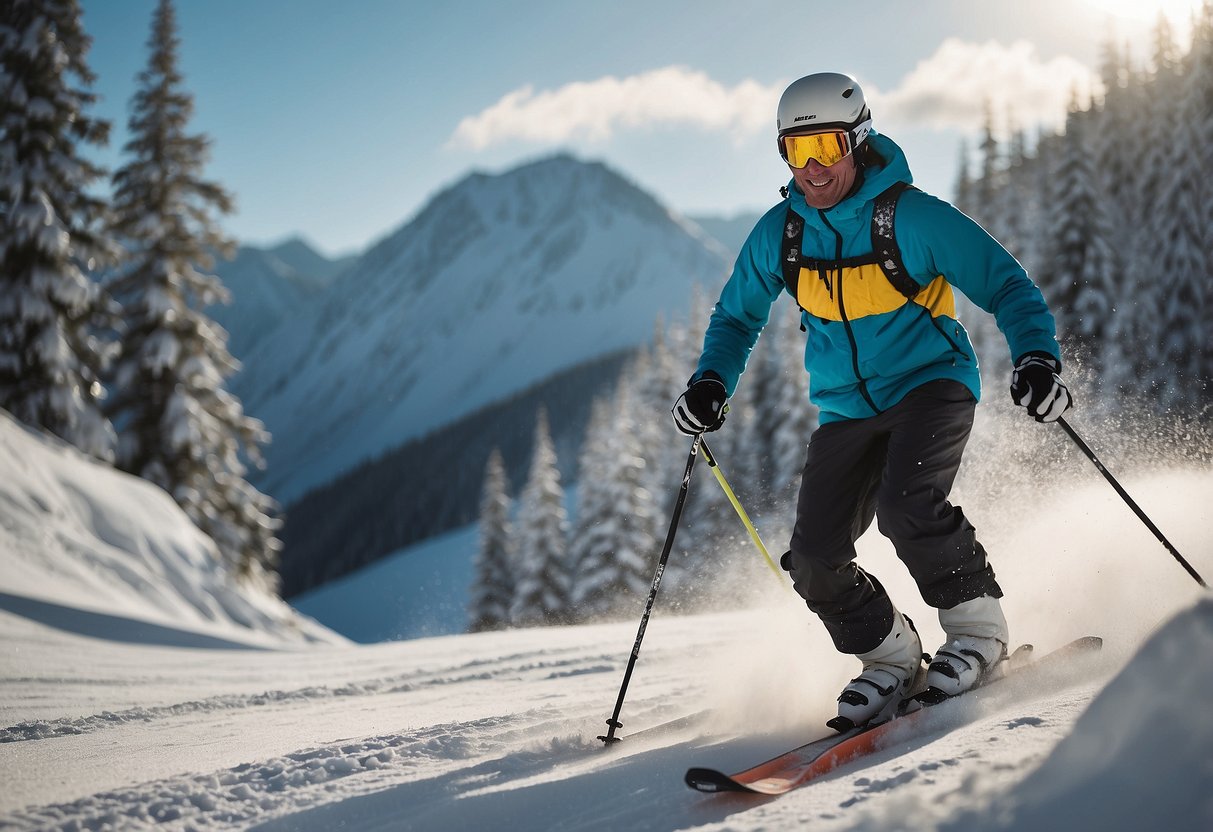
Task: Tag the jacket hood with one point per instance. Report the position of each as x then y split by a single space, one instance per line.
875 181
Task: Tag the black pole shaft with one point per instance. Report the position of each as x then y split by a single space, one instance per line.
1129 501
613 723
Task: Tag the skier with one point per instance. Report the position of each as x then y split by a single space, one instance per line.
895 378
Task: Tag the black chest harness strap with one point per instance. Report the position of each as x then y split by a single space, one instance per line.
885 252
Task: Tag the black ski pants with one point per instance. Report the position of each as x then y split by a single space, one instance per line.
898 466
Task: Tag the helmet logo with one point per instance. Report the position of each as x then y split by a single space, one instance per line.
804 118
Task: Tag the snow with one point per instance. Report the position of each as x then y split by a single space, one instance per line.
90 549
418 591
130 699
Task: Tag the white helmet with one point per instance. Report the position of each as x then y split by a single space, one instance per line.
825 100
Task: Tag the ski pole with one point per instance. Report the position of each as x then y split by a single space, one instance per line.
1129 501
614 723
710 459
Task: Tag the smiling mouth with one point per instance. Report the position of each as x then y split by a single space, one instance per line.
821 184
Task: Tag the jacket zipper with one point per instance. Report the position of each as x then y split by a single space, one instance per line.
955 347
846 322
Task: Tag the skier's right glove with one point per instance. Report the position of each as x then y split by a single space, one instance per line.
1036 384
702 407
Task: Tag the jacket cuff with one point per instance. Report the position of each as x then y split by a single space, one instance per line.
1049 357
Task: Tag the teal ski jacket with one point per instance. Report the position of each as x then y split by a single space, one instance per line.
867 345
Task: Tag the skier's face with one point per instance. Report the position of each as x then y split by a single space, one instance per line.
824 187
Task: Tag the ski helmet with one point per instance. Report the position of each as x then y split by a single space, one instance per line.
825 100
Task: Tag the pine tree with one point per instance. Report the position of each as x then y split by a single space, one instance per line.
593 529
986 188
963 196
1014 199
51 229
1080 272
617 526
493 590
1161 92
656 378
1199 103
752 418
1116 148
1181 257
181 429
541 594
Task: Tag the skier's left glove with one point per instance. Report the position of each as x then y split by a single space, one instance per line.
1036 384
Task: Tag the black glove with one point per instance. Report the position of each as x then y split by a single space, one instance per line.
1037 385
702 407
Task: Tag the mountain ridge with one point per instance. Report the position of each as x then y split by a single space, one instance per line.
498 282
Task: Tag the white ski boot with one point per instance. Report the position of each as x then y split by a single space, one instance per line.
890 673
977 642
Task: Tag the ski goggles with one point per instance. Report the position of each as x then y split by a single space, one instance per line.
828 148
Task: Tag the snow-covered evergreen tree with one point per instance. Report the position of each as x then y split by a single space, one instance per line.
493 587
1015 202
989 180
1115 145
756 417
1179 238
51 229
592 528
616 541
1080 273
180 428
1198 101
1158 108
962 197
657 377
541 594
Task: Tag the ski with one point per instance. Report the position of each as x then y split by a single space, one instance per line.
815 759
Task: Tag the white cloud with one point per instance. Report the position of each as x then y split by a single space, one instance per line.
671 96
947 90
950 89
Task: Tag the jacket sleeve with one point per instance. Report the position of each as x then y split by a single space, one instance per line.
744 306
936 238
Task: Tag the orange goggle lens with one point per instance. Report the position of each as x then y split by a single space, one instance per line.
827 148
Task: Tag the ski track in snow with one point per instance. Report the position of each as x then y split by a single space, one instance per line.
478 670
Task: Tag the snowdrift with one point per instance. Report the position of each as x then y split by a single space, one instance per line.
1139 757
91 550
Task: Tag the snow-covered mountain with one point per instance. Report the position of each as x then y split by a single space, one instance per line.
310 264
269 287
499 282
89 549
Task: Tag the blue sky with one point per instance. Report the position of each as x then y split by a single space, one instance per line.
337 121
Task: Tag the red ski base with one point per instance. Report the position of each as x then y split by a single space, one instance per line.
816 759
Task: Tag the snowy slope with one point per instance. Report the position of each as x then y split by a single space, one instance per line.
498 283
95 551
496 732
113 728
422 590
